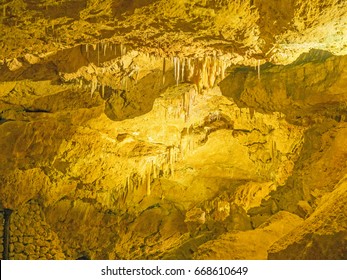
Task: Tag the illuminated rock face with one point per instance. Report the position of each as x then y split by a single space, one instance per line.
322 235
174 129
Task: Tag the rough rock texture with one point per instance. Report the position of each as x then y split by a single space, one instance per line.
272 30
322 236
305 90
31 237
249 245
171 129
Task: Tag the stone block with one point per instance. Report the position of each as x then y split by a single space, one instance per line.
30 249
59 256
17 232
19 247
14 238
31 231
20 257
28 240
44 250
41 243
33 257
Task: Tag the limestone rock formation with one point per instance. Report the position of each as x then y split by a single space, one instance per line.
252 244
322 236
180 129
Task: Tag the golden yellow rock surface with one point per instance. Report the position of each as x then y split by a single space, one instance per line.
178 129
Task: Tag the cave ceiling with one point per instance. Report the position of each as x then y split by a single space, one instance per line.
273 31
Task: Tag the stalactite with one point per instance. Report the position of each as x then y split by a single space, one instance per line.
183 69
94 85
189 70
148 179
123 50
214 71
98 54
204 72
218 69
210 72
187 100
251 112
223 70
258 69
105 48
174 63
164 66
91 91
154 168
176 153
207 72
178 71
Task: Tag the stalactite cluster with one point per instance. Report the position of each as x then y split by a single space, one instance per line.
97 75
149 169
203 72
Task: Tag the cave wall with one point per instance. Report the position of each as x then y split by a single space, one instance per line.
174 129
203 162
